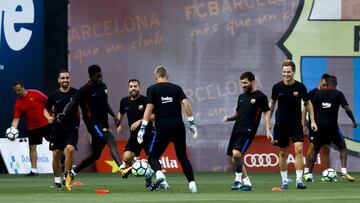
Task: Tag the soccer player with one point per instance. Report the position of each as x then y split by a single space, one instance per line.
30 104
134 106
289 94
326 105
65 134
166 99
93 100
326 148
247 119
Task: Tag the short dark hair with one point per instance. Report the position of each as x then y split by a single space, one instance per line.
161 72
94 69
249 75
134 80
63 71
288 62
332 81
325 76
18 82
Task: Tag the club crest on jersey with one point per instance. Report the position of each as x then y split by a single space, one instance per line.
141 107
252 101
296 94
166 100
31 99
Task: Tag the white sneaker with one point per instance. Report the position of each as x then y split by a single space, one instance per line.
164 185
192 187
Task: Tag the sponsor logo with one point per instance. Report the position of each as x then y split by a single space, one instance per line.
166 162
13 14
261 160
166 100
326 105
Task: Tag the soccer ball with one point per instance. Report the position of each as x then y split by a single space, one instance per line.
329 175
12 133
140 167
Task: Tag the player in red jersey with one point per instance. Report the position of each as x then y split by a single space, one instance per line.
30 104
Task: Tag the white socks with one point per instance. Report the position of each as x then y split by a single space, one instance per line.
238 177
299 174
284 176
57 179
160 174
343 171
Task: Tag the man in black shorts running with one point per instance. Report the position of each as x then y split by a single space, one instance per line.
165 100
326 106
247 119
64 134
134 107
289 94
93 100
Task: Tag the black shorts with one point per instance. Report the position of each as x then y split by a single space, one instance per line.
36 135
240 141
328 135
133 146
62 137
283 133
162 139
97 136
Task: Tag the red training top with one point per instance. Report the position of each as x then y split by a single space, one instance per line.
32 108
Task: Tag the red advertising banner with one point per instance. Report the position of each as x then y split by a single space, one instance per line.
168 161
263 156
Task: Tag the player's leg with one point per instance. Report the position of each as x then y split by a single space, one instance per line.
157 148
297 137
310 161
179 140
339 141
325 156
132 150
281 140
34 139
71 142
149 137
56 168
110 141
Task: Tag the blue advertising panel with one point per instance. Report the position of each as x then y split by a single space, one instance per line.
21 51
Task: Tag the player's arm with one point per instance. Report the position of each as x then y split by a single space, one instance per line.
147 115
303 119
351 115
120 117
111 112
310 109
267 117
15 122
48 116
188 111
272 106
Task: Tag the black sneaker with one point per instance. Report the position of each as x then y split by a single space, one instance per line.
32 174
155 185
56 185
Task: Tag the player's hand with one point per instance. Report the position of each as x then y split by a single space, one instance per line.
193 130
226 119
119 129
60 117
314 126
116 121
135 125
141 133
354 124
269 136
51 119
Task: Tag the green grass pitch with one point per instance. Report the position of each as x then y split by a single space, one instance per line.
212 187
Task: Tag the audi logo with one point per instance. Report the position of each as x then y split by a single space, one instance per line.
261 160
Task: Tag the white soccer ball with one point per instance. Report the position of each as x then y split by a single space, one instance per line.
12 133
140 167
329 175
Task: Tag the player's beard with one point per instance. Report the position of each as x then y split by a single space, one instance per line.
65 85
247 89
134 94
